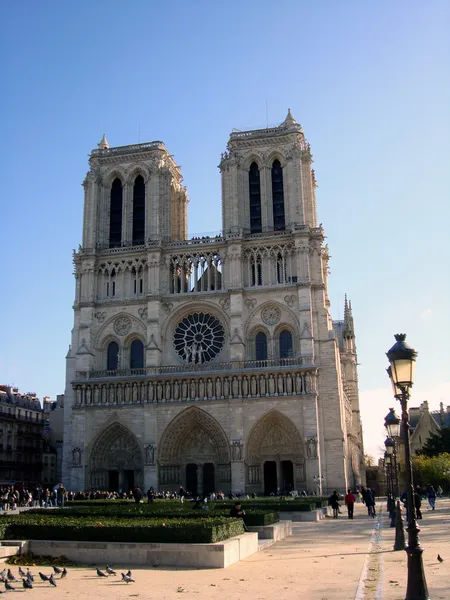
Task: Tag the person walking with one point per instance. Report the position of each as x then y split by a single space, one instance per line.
418 502
431 495
370 502
333 501
60 495
349 501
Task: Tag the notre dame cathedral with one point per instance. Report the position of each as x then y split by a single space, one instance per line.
210 362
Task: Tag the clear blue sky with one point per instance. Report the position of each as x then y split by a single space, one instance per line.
369 82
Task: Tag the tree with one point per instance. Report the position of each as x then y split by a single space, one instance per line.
437 443
369 461
432 469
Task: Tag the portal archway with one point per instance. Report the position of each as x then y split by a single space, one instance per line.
116 460
194 452
275 456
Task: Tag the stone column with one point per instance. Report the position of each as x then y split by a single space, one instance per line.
238 476
150 478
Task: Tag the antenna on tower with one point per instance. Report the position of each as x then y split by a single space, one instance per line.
139 132
267 115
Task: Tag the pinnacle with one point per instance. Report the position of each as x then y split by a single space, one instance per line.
103 144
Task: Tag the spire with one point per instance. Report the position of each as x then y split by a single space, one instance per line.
289 120
349 330
103 144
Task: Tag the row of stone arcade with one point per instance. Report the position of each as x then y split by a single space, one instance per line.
194 452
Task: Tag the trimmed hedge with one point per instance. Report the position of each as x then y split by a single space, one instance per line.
282 505
253 517
138 530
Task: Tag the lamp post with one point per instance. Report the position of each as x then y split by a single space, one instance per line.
318 480
392 424
402 359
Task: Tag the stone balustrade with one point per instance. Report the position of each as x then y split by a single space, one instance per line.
222 386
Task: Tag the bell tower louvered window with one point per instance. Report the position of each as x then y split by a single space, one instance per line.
139 210
278 196
115 218
254 185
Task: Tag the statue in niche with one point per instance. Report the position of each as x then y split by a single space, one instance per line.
311 447
271 385
150 454
244 386
119 394
262 386
88 395
184 390
79 397
127 393
298 383
175 390
96 395
76 457
209 388
201 389
135 393
235 387
236 450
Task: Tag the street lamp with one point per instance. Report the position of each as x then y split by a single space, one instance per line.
402 359
392 424
318 480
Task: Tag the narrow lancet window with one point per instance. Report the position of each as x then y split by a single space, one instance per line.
278 196
286 347
139 210
115 217
261 346
137 355
112 360
254 186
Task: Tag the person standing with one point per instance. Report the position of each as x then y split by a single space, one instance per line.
60 495
333 501
350 503
418 502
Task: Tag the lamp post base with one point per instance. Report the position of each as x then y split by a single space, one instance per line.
417 585
399 530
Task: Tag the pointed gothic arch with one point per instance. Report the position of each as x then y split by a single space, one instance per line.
275 455
190 441
116 460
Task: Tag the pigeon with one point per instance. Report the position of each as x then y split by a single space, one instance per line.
57 570
101 574
11 576
8 586
22 572
43 577
29 575
27 584
64 573
52 581
127 578
110 571
128 574
3 573
440 559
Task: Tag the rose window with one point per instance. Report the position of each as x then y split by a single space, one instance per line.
199 338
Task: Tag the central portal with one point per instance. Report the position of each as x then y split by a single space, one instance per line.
208 479
270 477
191 479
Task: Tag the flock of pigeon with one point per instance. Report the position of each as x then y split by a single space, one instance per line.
126 577
8 578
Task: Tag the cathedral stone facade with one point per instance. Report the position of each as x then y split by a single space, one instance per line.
210 362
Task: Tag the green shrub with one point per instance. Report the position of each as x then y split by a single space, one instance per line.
138 530
253 517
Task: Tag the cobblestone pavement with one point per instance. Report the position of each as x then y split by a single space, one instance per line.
330 560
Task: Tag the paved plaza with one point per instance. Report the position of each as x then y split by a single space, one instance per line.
328 560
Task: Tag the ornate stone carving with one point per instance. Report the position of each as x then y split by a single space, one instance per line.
143 312
167 306
149 454
311 447
236 450
224 303
76 457
271 315
199 338
100 316
290 299
122 325
250 303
